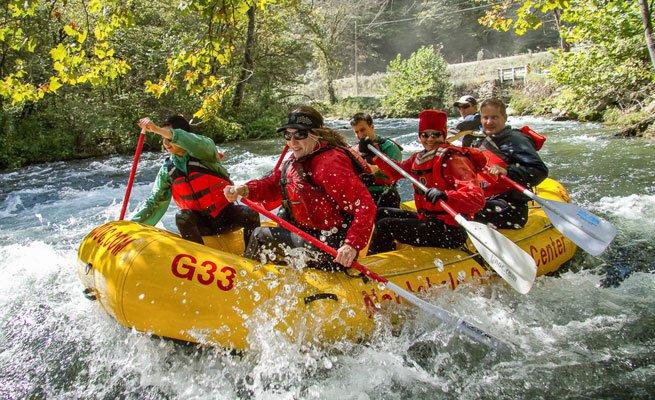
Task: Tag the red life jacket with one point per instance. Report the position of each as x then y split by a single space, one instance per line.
308 204
428 169
379 178
489 183
537 138
200 189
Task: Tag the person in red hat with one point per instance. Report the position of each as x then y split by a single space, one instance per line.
320 192
450 176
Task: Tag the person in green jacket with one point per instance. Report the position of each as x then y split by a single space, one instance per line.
383 190
193 176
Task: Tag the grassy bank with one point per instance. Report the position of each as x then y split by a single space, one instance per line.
463 74
477 78
537 95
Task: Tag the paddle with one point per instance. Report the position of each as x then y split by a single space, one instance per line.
456 135
590 232
281 158
459 324
130 181
506 258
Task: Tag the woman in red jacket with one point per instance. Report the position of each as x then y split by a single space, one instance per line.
320 193
451 177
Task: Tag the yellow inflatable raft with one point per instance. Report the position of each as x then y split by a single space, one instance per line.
156 282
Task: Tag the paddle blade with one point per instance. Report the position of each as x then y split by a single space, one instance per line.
590 232
466 328
504 256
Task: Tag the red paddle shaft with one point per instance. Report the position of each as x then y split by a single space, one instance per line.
279 160
130 181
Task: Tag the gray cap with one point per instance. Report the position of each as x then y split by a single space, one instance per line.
470 100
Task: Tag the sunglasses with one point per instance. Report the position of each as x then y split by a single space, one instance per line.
300 134
426 135
464 106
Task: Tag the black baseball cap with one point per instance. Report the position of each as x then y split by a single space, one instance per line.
301 120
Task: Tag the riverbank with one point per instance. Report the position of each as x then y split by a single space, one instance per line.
25 140
534 93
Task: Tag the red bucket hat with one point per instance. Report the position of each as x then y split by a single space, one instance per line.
432 119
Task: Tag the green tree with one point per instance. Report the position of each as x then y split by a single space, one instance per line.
45 45
610 67
331 28
525 15
417 83
280 55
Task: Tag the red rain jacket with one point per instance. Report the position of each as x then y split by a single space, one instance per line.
324 191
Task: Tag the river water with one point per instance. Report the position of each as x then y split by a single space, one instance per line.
586 332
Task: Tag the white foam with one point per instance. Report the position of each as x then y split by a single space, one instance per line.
248 166
596 141
637 207
22 265
11 205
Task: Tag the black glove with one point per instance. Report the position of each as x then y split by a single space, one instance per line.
364 151
434 195
367 179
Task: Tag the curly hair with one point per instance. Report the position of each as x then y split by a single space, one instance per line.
331 136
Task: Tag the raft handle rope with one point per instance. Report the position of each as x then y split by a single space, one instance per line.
321 296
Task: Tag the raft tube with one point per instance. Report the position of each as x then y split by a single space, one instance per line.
154 281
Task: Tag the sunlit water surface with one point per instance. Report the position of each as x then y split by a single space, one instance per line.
586 332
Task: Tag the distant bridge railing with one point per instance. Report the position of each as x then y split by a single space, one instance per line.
513 74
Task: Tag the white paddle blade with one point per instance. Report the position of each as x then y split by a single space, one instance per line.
466 328
506 258
590 232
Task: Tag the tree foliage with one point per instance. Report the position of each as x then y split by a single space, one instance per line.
76 39
610 66
417 83
89 110
521 15
526 15
196 63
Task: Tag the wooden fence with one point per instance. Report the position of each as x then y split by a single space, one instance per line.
513 74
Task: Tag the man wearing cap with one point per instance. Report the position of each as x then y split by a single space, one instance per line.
320 192
469 116
450 176
383 190
194 177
